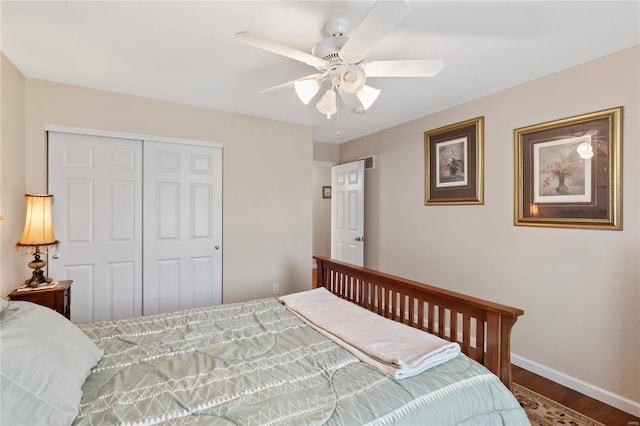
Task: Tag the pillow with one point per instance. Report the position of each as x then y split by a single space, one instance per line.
3 304
44 361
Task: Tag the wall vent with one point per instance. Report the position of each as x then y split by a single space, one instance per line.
369 162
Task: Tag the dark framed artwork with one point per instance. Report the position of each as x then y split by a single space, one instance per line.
453 158
567 172
326 192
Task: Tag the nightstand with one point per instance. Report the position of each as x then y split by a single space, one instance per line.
57 298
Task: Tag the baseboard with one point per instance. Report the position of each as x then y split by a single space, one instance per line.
610 398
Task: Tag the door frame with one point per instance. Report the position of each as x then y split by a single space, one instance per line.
127 135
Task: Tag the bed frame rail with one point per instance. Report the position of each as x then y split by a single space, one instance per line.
482 328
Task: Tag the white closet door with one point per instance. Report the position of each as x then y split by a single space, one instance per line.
182 226
96 183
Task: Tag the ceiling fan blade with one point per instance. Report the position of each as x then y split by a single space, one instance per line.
279 49
382 18
406 68
292 82
278 87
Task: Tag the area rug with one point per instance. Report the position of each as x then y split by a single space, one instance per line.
544 412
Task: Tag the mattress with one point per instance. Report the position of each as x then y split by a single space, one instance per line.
256 363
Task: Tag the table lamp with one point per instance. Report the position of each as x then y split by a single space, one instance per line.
38 232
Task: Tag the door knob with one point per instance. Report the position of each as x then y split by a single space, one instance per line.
359 238
56 256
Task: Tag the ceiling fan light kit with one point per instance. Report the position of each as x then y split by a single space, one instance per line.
339 58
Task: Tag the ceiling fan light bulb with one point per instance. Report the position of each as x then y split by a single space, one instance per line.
353 79
367 96
306 89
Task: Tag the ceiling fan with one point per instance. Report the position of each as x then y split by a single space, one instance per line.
339 60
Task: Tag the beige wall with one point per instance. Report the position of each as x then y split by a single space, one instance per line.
266 176
579 288
328 153
13 263
325 155
321 211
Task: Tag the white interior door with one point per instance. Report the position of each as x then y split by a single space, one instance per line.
96 184
182 226
347 212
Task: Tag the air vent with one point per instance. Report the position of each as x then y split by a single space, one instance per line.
369 162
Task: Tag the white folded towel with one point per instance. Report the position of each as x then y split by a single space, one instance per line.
397 349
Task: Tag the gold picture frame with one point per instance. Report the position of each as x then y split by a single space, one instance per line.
567 172
454 163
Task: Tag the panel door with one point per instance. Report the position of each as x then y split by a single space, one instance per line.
347 212
96 183
182 226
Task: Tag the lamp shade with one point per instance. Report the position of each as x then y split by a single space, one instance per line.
38 228
306 89
367 96
328 103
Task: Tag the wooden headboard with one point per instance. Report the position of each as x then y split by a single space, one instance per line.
482 328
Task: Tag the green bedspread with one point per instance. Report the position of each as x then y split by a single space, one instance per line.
256 363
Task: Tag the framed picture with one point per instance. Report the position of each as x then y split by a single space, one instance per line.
567 172
326 192
453 159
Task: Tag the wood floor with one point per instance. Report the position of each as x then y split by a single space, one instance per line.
590 407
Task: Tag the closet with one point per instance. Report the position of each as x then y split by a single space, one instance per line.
139 220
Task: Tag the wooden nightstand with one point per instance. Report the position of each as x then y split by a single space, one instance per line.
57 298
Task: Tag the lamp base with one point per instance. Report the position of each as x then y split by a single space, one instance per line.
37 278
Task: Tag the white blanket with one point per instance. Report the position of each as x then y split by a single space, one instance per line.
397 349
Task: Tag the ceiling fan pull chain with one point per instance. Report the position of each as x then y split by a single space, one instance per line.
337 117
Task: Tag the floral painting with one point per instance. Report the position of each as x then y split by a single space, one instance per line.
451 163
454 164
567 172
560 174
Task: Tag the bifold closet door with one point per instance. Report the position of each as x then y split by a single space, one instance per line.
182 231
96 183
135 242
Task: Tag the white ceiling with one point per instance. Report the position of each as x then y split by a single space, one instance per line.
187 52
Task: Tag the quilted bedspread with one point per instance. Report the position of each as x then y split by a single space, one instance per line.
256 363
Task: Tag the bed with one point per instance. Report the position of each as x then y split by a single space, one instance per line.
264 361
